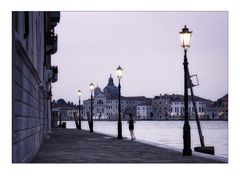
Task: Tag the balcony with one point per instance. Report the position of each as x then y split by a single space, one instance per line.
54 77
51 74
51 42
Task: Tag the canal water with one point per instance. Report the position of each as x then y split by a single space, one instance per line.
169 132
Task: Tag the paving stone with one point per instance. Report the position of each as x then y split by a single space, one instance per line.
80 146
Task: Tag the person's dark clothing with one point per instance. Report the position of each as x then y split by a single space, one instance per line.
131 125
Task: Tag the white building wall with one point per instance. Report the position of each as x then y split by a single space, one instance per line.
86 108
110 107
143 111
177 108
100 107
113 108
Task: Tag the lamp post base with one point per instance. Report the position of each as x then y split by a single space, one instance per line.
187 152
79 126
119 130
91 128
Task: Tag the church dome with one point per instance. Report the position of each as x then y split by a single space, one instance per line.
110 81
110 90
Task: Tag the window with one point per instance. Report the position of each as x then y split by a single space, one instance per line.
26 18
190 109
16 21
99 102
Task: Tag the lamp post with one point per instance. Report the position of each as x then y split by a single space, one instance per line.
185 36
79 93
91 86
119 72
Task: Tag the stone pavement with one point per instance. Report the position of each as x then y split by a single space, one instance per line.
80 146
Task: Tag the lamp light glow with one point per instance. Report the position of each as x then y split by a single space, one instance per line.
79 93
119 72
92 87
185 37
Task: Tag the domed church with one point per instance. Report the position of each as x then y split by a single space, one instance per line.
110 90
105 103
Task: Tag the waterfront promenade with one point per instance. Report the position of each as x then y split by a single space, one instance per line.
80 146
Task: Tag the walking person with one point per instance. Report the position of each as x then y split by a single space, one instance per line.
131 126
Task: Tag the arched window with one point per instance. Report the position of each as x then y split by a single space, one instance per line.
99 102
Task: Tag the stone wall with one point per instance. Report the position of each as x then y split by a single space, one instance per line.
29 102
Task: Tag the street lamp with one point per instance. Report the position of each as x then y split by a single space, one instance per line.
185 36
79 93
91 86
119 72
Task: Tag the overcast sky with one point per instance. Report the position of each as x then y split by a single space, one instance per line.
91 45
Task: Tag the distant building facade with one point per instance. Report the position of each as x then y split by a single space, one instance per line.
213 111
105 103
224 107
161 106
144 111
177 107
218 109
66 111
33 43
